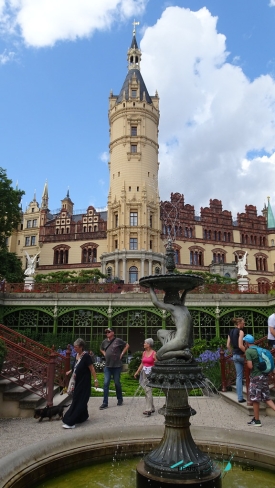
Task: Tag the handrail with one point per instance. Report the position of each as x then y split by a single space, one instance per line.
25 366
26 342
213 288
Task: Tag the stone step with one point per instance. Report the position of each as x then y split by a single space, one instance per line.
231 397
18 402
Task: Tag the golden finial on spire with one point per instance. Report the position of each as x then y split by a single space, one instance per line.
134 24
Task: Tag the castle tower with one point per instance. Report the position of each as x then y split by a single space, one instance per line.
133 236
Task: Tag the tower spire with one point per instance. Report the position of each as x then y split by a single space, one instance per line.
45 197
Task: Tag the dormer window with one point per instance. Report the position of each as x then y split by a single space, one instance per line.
134 93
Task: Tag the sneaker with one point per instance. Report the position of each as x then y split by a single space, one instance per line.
147 413
255 422
103 406
119 403
65 426
242 401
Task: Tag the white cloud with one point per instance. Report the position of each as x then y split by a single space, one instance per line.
104 157
44 22
6 56
272 3
212 117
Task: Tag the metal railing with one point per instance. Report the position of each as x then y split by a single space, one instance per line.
32 365
213 288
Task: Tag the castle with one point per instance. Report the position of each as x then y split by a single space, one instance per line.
127 241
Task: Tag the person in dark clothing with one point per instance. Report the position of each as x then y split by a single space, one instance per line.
79 386
235 342
113 349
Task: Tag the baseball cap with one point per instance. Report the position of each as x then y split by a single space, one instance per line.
109 329
249 338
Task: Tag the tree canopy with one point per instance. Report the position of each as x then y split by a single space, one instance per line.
10 267
10 213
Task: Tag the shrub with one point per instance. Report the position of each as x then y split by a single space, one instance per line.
134 363
200 345
217 342
210 364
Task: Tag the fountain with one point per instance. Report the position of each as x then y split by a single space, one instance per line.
176 460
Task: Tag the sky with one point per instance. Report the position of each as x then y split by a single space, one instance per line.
212 63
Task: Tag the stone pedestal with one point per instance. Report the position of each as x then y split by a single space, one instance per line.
243 284
177 460
29 283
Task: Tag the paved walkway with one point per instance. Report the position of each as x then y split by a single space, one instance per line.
211 412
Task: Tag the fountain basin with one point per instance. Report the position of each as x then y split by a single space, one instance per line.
30 465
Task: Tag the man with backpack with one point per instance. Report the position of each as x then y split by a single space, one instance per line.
258 387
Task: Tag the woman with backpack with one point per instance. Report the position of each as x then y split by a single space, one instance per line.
235 343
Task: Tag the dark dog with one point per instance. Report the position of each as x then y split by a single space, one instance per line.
42 413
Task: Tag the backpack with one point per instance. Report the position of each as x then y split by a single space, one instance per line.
266 361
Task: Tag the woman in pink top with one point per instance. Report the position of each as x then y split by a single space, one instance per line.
147 361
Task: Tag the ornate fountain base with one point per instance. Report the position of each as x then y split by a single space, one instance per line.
177 460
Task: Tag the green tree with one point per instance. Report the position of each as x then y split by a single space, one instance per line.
10 212
10 267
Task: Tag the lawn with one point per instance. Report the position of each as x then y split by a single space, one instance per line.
129 386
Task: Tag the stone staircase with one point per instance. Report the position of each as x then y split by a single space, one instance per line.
231 397
18 402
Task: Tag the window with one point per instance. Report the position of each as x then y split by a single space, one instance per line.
133 274
134 93
109 273
61 255
32 240
116 220
133 148
151 221
34 223
29 224
133 218
133 243
133 131
27 241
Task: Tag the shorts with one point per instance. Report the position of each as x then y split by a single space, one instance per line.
259 389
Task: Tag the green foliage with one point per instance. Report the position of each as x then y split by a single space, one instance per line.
49 339
134 363
196 392
129 387
84 276
10 267
210 278
3 352
216 343
56 277
10 212
212 371
200 345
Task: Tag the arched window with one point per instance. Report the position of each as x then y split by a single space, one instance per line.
133 274
89 253
196 256
61 254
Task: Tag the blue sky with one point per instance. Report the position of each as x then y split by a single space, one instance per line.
212 62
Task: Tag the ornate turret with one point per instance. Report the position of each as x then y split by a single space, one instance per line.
133 235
